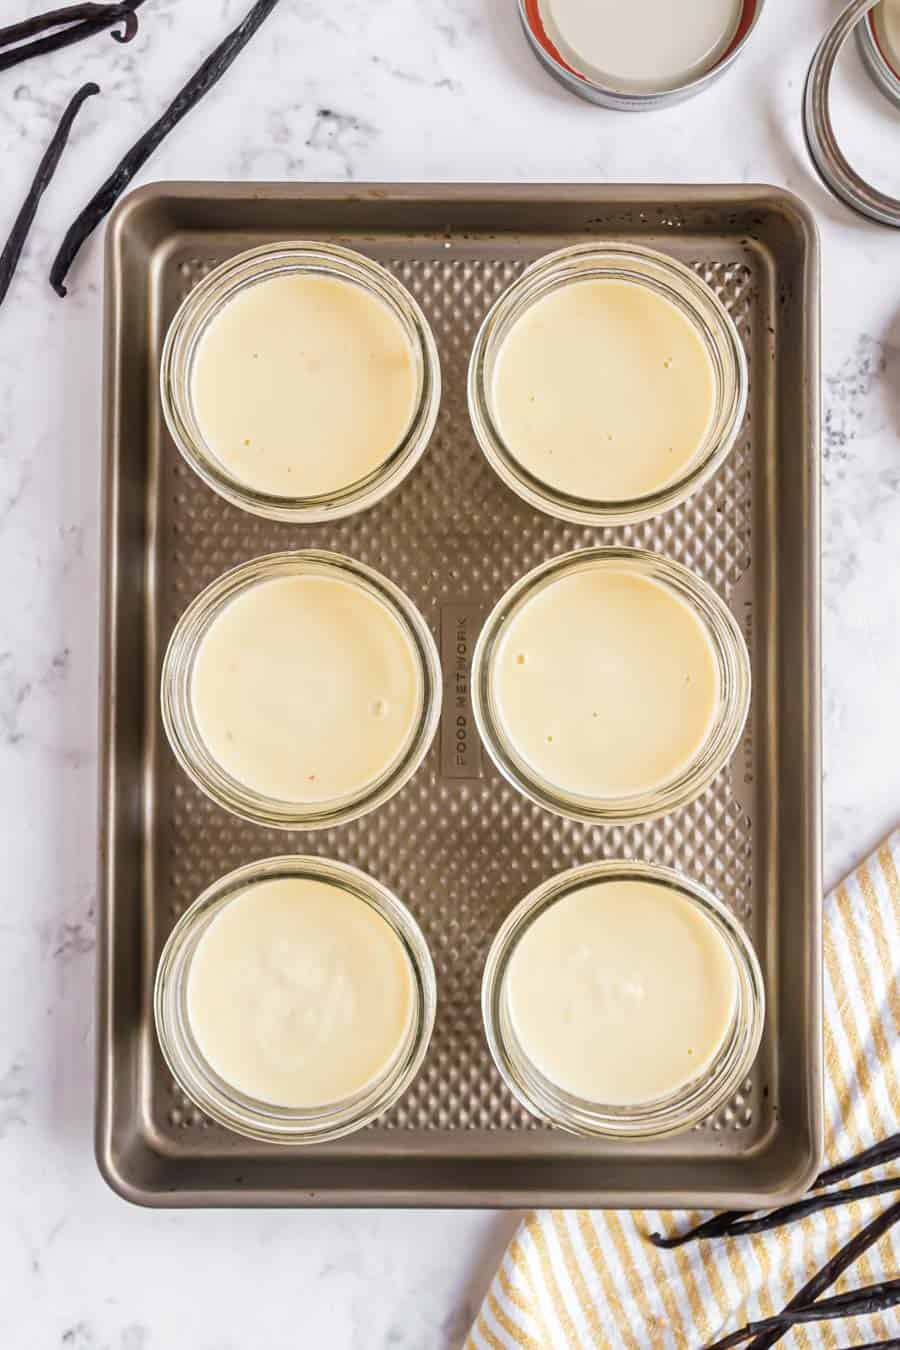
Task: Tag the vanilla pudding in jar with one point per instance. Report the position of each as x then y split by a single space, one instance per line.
295 1000
607 384
301 690
610 685
301 381
621 999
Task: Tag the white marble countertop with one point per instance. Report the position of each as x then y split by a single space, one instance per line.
402 89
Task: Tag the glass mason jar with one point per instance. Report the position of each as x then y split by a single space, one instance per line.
180 720
734 680
682 1108
226 1104
672 281
207 300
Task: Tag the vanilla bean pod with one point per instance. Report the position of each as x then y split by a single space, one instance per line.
200 83
12 251
733 1223
72 24
859 1303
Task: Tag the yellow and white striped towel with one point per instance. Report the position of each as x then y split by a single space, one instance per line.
578 1279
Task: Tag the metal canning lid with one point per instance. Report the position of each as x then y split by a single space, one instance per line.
829 160
880 56
623 95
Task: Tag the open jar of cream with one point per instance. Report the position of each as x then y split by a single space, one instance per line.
620 999
301 381
301 690
294 1000
610 685
607 384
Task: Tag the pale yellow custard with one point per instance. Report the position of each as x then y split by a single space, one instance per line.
604 389
306 689
621 992
606 683
299 994
303 385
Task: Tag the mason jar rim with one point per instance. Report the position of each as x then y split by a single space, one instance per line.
829 160
201 306
187 743
679 1110
733 664
674 282
227 1105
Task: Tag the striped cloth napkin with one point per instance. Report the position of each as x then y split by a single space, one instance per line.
577 1279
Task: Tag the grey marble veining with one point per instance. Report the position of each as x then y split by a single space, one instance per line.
411 89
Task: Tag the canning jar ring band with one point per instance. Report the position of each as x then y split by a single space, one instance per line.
827 156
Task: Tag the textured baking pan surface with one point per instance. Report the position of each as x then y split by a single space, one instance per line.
458 844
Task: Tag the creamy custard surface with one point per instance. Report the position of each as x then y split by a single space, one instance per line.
604 389
306 689
606 683
302 385
621 992
299 994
